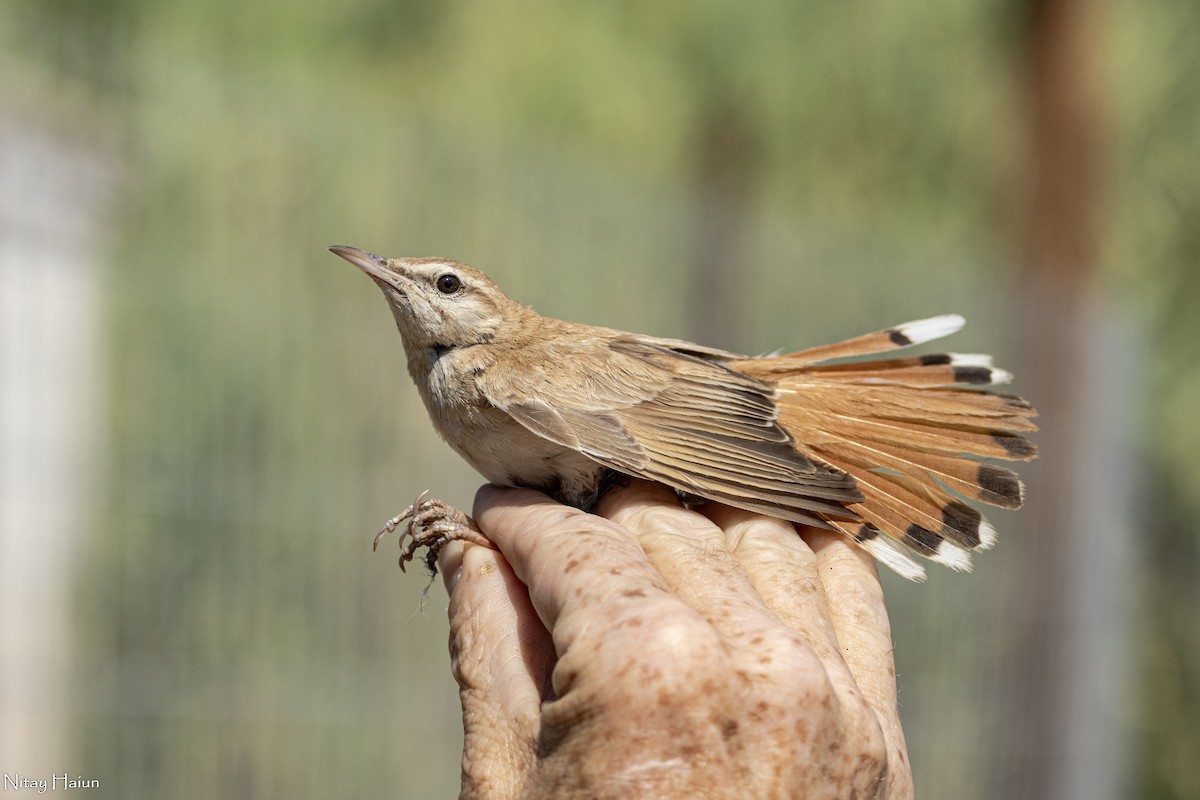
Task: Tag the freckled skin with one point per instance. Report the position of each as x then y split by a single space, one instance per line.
679 673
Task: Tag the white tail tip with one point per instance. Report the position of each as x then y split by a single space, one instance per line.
926 330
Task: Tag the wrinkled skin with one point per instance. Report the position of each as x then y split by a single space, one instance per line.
663 652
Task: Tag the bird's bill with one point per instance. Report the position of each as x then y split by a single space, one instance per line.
377 267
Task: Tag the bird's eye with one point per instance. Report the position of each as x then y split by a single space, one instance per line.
448 283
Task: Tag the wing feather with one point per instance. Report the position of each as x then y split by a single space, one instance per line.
684 418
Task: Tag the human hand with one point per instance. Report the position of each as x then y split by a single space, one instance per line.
657 651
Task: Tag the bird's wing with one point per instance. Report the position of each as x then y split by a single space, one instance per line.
673 412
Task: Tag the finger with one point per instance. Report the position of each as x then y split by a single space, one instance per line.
690 552
783 569
501 656
858 614
450 563
578 567
860 620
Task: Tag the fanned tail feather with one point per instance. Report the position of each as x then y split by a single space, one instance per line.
913 432
906 335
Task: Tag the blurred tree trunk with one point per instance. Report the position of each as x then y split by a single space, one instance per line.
1061 236
723 189
1069 557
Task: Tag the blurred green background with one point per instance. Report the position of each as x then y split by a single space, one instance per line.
206 416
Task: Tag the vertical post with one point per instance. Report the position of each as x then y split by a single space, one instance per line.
51 356
1068 613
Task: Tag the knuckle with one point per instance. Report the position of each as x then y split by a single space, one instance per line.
663 649
669 524
866 741
792 659
682 638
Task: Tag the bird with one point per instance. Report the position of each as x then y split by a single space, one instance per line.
848 437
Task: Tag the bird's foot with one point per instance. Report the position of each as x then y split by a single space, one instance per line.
430 524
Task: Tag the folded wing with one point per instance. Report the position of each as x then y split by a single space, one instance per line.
679 414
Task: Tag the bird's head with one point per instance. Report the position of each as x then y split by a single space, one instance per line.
437 303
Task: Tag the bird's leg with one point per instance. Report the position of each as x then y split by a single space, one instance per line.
431 524
690 501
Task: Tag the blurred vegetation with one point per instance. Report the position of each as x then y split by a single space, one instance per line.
235 636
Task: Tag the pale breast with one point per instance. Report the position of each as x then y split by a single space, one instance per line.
505 452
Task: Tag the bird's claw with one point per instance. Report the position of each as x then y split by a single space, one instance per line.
393 523
431 524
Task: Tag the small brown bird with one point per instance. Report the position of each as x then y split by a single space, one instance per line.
869 448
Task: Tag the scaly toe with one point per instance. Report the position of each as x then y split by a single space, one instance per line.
393 523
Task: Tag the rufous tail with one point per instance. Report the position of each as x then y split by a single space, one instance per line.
916 441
